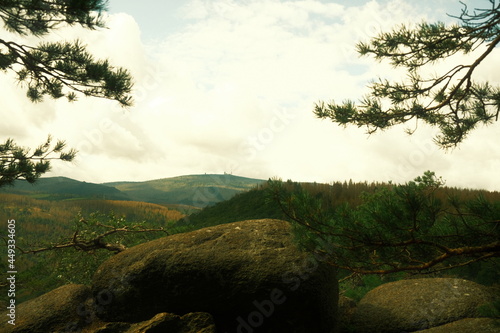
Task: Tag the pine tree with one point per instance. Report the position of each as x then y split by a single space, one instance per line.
416 227
453 101
54 69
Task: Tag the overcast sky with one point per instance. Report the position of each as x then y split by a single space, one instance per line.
230 85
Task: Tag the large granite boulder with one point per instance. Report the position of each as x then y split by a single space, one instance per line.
249 275
70 309
55 311
417 304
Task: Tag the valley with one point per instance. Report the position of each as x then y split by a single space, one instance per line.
49 212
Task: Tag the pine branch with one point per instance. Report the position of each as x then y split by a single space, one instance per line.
453 102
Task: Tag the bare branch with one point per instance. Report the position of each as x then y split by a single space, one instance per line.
88 245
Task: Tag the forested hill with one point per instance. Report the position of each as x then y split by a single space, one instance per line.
62 188
256 203
195 191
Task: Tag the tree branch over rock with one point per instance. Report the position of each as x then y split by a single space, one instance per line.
92 235
415 227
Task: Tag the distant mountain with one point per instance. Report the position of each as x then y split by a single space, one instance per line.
62 188
193 190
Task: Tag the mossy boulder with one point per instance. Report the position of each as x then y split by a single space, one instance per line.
249 275
468 325
55 311
417 304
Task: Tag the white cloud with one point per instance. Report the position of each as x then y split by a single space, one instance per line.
232 90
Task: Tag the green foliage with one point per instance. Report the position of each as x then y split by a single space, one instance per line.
357 286
18 163
46 223
59 69
452 101
40 17
257 204
247 205
77 265
485 272
416 226
491 310
45 270
358 289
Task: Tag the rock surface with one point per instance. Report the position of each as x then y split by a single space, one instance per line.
346 309
162 322
417 304
249 275
55 311
468 325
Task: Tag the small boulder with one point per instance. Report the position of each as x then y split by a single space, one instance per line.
162 322
346 309
249 275
468 325
417 304
55 311
197 322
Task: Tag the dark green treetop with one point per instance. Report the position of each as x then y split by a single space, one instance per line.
452 101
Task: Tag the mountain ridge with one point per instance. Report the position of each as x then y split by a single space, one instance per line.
193 190
189 190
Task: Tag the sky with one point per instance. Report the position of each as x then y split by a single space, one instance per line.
229 86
